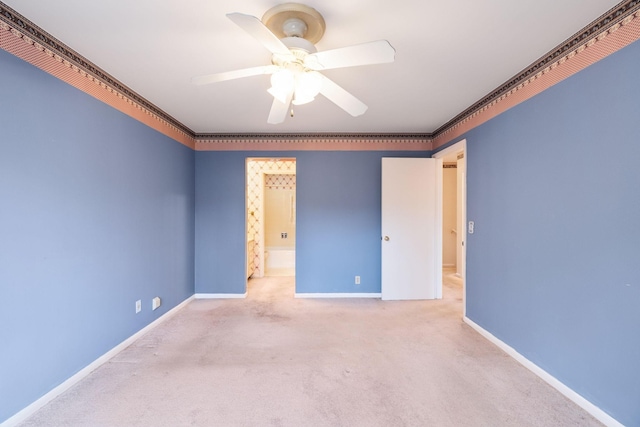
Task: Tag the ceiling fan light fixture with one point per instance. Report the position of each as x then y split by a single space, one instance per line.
305 85
308 86
283 82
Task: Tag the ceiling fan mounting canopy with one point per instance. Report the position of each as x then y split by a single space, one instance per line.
295 20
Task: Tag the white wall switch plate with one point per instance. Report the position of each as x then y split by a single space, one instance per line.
138 306
155 303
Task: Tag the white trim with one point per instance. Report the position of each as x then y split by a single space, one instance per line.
453 148
592 409
84 372
220 296
337 295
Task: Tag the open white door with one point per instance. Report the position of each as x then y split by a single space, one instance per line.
411 228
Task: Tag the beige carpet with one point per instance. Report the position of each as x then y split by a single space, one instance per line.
272 360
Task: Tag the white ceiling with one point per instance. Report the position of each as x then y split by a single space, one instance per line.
449 54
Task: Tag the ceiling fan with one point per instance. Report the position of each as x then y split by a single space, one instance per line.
289 32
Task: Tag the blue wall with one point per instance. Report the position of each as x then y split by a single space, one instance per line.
337 220
96 212
553 268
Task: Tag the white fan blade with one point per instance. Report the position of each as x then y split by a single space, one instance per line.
260 32
230 75
279 110
378 52
342 98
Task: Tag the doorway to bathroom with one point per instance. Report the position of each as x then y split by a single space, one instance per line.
271 217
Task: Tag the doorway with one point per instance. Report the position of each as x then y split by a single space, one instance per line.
271 217
454 158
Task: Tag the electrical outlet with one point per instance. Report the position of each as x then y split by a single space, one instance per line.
357 280
138 306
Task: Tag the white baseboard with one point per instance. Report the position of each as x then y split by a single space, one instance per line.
338 295
83 373
596 412
219 296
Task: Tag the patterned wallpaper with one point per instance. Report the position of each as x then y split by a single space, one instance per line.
280 182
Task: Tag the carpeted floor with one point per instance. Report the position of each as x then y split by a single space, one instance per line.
272 360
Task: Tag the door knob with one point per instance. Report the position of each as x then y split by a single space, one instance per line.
386 238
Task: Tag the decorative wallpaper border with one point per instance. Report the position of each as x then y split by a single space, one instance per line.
614 30
315 142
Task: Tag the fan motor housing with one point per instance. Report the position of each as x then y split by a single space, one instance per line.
298 43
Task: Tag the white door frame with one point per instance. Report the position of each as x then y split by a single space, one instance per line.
460 146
